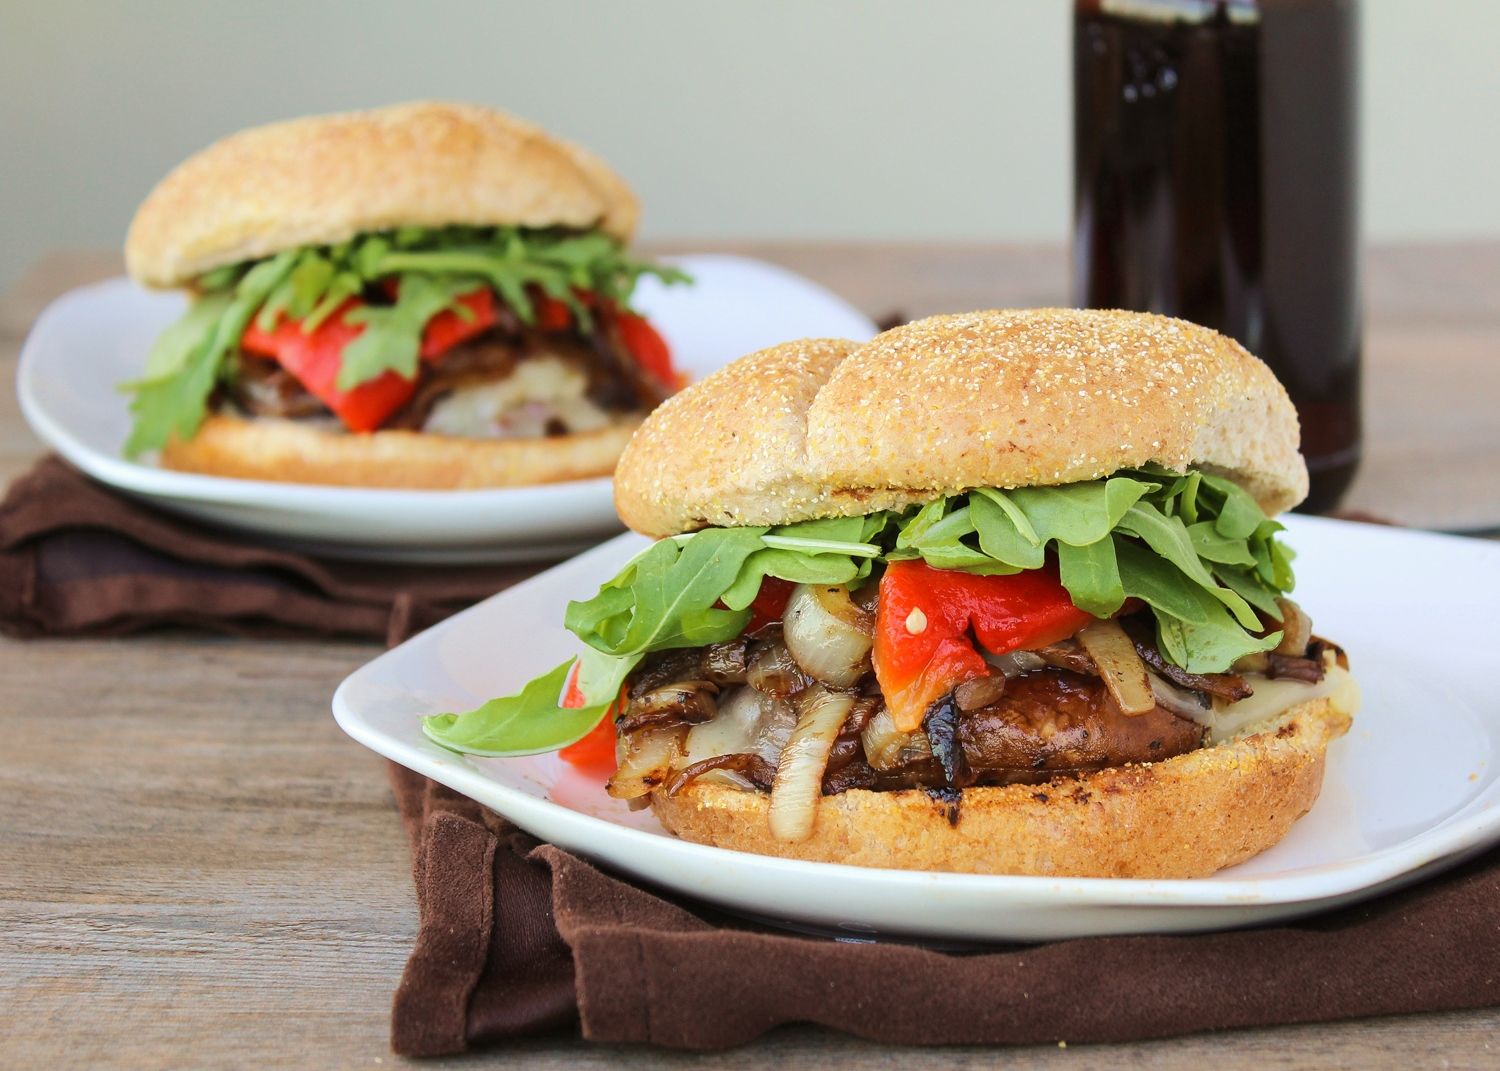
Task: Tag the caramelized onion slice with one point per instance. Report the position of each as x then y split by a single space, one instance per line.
1120 667
646 761
799 774
1016 663
681 701
743 770
827 634
887 747
747 722
775 672
980 692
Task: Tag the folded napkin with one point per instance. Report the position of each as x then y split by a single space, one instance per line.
520 938
79 560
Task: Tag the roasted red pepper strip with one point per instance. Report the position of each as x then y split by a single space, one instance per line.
596 751
649 349
643 342
770 602
447 329
922 623
553 315
315 357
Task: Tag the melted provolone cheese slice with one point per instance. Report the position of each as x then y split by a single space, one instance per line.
1273 698
541 393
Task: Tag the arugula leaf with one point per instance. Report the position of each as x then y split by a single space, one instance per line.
526 723
341 287
915 529
798 568
836 535
665 598
509 259
309 284
833 550
1187 498
1213 645
1239 516
1194 548
1078 513
176 347
1169 539
392 339
1091 574
1158 583
172 398
299 293
1248 586
1005 533
1212 546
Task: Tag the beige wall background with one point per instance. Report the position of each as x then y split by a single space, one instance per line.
792 119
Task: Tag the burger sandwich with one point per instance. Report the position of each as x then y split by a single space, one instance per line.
425 296
997 592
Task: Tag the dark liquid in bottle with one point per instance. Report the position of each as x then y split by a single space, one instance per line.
1215 170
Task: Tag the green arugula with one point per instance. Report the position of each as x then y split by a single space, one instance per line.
392 339
1194 548
430 267
508 726
684 592
171 399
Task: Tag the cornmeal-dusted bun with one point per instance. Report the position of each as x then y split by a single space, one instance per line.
736 436
1185 817
325 179
1005 398
287 451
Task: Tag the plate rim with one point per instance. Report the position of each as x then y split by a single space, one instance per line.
1448 838
151 480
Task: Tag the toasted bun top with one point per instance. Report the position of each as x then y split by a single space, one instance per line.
1006 398
324 179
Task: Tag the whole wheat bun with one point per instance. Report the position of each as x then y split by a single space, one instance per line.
1185 817
327 178
1005 398
286 451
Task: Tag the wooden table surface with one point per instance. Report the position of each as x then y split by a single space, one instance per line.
197 869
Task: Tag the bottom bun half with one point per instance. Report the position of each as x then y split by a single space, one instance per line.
288 452
1186 817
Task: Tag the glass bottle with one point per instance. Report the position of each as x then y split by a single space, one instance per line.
1215 179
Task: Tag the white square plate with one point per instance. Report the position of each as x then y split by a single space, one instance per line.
92 339
1411 789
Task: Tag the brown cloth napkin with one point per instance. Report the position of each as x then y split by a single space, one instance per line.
519 938
79 560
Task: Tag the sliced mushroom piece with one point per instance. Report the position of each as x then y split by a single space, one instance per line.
724 663
774 671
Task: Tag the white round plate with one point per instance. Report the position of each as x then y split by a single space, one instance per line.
90 340
1411 789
